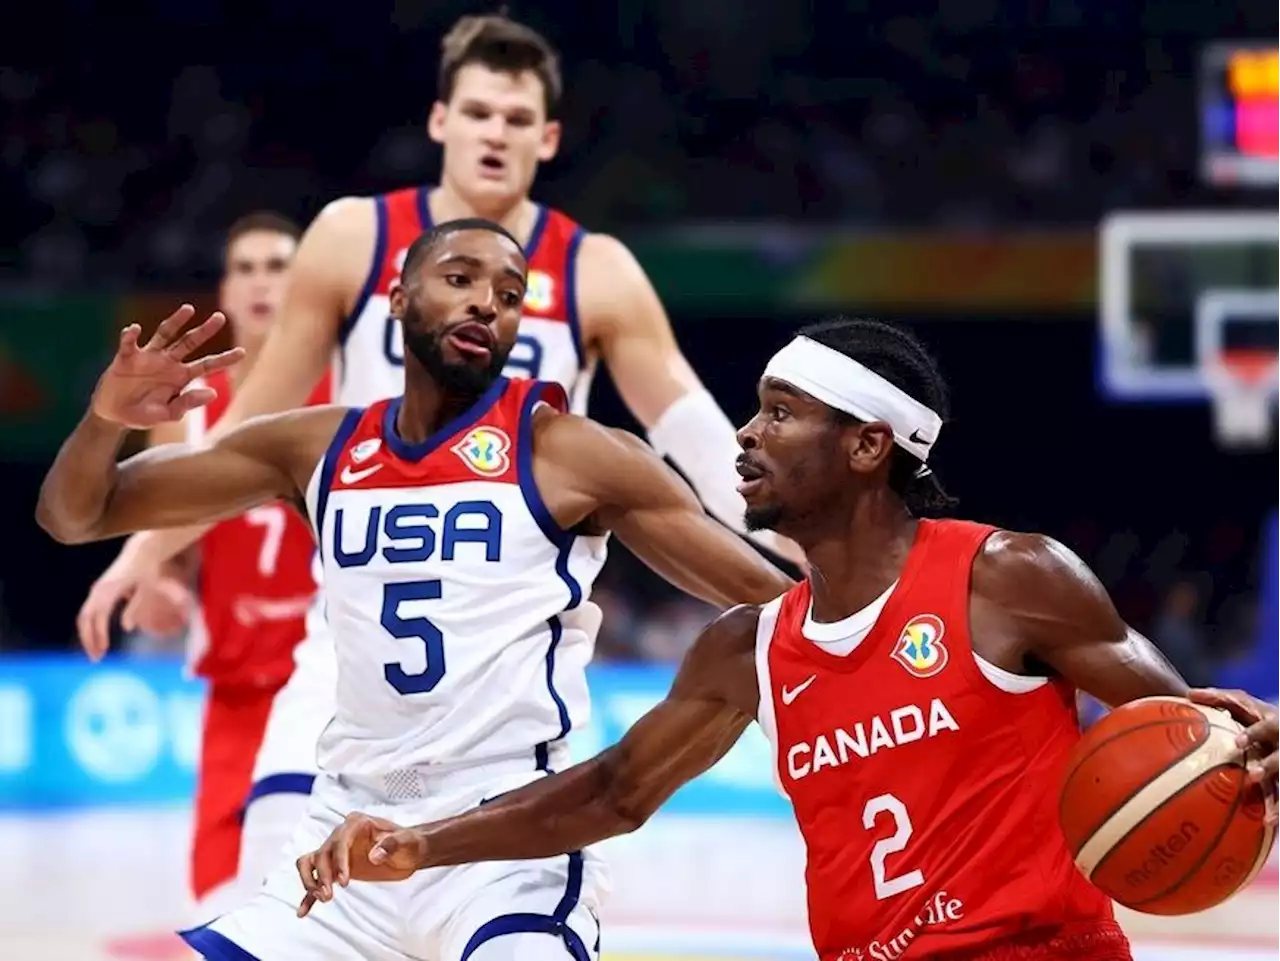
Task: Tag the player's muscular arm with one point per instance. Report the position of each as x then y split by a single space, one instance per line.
328 270
614 481
87 496
712 701
1033 599
624 320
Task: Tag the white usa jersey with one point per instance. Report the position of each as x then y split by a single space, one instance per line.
446 581
548 347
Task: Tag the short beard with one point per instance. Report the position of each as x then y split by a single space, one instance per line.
459 379
765 518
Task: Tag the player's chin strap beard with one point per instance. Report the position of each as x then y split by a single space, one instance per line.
839 381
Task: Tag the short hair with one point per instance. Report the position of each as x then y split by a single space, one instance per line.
428 240
267 221
902 360
502 45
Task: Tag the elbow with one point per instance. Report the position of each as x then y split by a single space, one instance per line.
58 526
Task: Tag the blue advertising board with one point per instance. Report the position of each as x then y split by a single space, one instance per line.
127 732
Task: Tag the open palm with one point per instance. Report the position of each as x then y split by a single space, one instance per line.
149 385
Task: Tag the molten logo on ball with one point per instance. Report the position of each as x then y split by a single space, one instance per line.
1160 855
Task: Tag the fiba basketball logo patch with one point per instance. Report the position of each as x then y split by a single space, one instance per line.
920 649
484 450
364 450
540 292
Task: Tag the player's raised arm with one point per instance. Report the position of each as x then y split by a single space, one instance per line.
713 699
617 482
1039 592
88 496
684 422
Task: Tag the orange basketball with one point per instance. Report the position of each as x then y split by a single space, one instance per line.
1157 810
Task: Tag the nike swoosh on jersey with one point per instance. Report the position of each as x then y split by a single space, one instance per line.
349 476
789 695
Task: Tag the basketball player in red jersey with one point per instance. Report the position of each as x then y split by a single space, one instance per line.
918 689
254 581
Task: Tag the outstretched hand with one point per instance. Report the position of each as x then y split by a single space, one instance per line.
149 385
361 848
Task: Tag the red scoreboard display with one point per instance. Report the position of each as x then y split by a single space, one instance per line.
1238 104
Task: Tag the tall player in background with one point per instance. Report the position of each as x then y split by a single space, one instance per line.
253 580
588 300
918 691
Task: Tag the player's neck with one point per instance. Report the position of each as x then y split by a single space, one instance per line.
516 216
426 406
857 560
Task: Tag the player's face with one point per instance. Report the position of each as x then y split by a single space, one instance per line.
495 132
254 280
793 458
461 309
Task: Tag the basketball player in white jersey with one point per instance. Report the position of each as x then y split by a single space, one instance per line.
457 525
588 300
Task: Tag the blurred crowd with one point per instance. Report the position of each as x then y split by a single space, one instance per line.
117 168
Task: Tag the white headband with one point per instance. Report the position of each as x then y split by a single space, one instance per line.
841 382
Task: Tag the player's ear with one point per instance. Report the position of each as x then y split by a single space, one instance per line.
867 446
549 146
399 298
435 121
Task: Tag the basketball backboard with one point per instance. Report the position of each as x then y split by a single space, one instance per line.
1189 305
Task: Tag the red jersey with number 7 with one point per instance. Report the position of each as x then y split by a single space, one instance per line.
256 580
924 779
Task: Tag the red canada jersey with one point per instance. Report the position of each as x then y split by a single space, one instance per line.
255 582
926 794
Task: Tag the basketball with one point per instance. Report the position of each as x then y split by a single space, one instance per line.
1157 809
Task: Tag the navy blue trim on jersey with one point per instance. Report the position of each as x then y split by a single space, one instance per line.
424 209
290 782
524 470
375 272
415 452
557 632
350 420
214 946
556 923
535 235
571 295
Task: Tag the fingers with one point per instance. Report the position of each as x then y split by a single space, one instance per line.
93 623
307 874
1243 707
169 328
189 400
207 365
197 336
400 849
129 339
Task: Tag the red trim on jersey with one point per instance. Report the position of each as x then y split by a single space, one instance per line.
550 290
483 450
404 226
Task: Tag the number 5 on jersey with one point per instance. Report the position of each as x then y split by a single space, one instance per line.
419 628
887 887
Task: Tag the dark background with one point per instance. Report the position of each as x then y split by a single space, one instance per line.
121 163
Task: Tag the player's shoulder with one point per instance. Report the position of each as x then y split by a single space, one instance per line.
345 220
727 643
1017 559
557 431
1035 577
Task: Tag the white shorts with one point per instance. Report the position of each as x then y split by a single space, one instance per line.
543 910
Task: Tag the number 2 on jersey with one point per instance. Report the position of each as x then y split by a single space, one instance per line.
403 628
887 887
